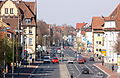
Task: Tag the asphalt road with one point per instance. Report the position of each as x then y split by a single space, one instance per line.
46 71
76 69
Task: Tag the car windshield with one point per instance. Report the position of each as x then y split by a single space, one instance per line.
55 58
46 57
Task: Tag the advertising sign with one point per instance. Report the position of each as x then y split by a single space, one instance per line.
104 52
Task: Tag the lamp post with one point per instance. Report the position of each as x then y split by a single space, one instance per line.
13 37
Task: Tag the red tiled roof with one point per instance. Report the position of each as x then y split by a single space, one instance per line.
25 9
116 14
97 23
112 29
80 25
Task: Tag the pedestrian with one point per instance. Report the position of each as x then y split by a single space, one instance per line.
102 63
112 67
71 75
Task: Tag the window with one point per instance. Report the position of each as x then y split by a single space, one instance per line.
11 10
30 30
28 20
8 35
100 50
6 10
96 42
99 42
30 41
98 34
96 49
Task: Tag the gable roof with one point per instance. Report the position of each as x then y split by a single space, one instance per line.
116 15
80 25
27 12
97 23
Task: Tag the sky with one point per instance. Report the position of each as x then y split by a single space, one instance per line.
73 11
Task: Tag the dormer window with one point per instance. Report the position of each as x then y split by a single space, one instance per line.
11 10
6 10
28 20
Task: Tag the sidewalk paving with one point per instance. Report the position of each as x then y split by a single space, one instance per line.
63 71
23 71
107 71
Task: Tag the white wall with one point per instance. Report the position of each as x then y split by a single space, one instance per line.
110 38
109 24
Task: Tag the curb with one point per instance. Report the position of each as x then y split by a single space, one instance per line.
102 71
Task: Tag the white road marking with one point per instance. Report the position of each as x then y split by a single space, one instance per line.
78 71
89 68
102 71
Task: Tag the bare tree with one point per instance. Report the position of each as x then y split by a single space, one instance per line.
117 44
42 29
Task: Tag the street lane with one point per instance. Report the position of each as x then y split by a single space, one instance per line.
47 71
76 69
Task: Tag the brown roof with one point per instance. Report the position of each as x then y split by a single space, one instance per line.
112 29
26 10
108 19
80 25
13 23
116 14
97 23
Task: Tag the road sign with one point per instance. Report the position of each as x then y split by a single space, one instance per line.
103 52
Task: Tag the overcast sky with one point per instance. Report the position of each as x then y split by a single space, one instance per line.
73 11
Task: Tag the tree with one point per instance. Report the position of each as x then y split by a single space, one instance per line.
117 44
42 29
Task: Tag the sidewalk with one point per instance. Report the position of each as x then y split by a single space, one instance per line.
24 71
107 71
63 71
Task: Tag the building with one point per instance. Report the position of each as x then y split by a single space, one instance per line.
98 35
21 17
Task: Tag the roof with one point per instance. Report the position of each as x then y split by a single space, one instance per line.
97 23
26 10
116 14
80 25
2 24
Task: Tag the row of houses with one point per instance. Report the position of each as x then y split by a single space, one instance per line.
20 18
103 35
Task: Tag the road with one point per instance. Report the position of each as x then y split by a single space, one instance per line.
46 71
75 69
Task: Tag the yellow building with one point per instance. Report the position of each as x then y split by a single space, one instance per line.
98 35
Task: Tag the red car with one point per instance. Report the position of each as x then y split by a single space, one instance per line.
82 61
55 60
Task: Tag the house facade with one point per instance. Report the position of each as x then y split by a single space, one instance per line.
21 17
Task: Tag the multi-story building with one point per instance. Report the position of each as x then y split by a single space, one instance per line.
20 15
98 35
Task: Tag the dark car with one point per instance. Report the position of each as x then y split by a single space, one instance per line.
85 71
91 59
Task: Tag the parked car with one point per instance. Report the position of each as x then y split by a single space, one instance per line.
46 59
55 60
91 59
85 71
70 61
